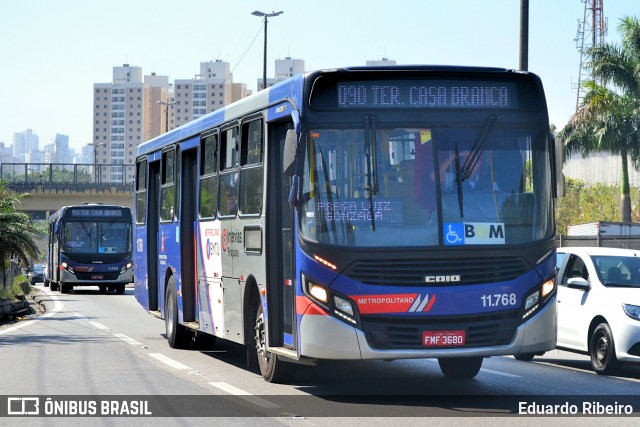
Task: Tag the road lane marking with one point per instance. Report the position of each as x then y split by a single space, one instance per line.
57 306
127 339
263 403
168 361
503 374
99 325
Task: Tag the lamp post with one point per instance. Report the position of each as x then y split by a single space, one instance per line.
264 66
166 114
95 158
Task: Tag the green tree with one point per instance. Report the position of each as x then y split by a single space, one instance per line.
609 119
17 234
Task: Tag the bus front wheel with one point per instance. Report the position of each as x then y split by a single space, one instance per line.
53 286
177 335
460 367
271 368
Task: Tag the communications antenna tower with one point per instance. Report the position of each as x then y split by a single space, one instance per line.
591 32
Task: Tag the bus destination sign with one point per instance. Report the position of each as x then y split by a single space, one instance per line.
427 94
88 212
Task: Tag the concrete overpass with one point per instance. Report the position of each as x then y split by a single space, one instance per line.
48 187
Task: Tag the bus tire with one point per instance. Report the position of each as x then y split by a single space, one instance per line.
602 350
120 289
272 369
53 286
460 367
177 334
65 288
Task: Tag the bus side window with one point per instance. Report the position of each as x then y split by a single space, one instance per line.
168 190
208 177
228 203
141 192
251 178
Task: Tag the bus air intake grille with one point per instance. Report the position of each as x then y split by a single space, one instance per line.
401 334
413 272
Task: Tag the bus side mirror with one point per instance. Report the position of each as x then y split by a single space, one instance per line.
289 156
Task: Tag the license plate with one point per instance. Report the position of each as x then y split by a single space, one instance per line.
97 276
443 338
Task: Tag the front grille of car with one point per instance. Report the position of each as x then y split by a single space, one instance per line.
412 272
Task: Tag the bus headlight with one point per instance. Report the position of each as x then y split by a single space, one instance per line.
532 300
343 305
548 287
318 292
339 306
538 298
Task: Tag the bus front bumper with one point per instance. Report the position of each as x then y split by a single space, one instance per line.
325 337
96 278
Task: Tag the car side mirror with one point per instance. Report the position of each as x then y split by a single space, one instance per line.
578 283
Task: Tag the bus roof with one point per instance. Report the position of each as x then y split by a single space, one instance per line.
291 91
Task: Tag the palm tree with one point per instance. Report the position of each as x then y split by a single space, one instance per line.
17 233
609 119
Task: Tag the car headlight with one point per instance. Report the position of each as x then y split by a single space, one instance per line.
632 311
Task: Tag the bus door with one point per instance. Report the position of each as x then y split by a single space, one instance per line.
280 251
153 219
189 184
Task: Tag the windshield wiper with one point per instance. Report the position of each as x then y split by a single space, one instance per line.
464 172
372 176
476 151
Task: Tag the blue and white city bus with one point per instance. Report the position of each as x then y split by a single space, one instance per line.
90 245
357 213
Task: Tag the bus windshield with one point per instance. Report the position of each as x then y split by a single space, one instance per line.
426 185
96 237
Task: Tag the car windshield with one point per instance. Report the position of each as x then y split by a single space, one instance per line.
618 271
38 268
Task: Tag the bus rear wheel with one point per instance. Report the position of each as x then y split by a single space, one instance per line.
460 367
177 335
271 368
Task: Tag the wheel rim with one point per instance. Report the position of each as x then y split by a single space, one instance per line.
260 339
601 349
169 314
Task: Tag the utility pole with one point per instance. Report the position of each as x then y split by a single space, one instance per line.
591 32
524 35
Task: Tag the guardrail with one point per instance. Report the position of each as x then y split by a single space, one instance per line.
48 177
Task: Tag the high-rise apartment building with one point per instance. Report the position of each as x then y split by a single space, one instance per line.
285 68
24 142
207 91
125 114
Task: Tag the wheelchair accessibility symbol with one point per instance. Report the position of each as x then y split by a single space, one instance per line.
454 234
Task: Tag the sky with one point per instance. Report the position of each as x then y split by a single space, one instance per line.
52 52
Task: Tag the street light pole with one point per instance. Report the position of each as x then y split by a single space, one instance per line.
166 114
264 65
95 158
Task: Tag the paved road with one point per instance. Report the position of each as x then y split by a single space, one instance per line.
90 344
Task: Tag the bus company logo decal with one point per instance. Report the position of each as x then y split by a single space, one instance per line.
395 303
454 278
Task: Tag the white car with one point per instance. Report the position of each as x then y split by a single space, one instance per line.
599 305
